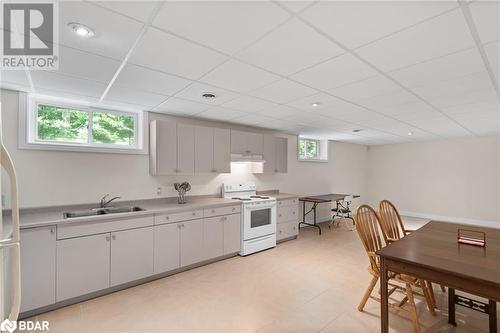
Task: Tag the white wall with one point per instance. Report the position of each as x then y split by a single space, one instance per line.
455 178
56 177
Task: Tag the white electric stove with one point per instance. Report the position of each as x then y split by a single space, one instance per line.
258 219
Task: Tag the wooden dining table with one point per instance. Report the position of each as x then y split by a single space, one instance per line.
433 253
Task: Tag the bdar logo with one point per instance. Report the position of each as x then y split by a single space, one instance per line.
8 326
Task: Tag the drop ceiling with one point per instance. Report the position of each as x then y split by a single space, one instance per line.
388 69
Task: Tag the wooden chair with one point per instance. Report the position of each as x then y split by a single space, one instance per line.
394 229
369 231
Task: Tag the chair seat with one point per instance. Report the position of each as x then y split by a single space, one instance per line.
341 210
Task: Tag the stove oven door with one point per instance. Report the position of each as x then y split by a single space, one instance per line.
259 219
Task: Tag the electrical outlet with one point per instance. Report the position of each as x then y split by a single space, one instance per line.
158 190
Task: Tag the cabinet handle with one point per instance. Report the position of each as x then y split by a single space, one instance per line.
248 151
113 237
279 215
223 218
178 226
280 231
52 231
213 211
275 170
167 218
293 212
182 225
234 208
107 238
279 202
194 214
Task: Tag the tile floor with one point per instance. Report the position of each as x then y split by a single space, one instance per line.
312 284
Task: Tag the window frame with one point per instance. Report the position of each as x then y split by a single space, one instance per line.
321 150
28 129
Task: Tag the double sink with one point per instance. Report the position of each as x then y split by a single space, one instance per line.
102 211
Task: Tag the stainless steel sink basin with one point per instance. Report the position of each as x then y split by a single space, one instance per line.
102 211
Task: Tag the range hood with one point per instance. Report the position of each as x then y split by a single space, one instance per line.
247 158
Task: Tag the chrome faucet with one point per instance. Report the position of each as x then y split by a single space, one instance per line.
105 202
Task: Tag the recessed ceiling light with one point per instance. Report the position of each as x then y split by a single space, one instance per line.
410 133
356 130
315 104
208 95
81 29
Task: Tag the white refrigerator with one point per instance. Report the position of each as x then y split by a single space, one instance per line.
10 271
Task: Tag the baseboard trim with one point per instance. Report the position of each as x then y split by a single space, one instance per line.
453 219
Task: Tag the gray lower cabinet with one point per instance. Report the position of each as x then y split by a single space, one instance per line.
38 267
191 241
83 265
213 236
232 233
131 255
166 247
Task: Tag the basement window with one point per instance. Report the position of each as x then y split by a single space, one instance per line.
56 125
312 150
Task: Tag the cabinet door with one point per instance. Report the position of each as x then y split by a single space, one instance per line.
203 149
213 237
238 142
222 150
38 267
166 247
166 147
82 265
131 255
185 149
191 242
255 143
281 155
232 233
269 154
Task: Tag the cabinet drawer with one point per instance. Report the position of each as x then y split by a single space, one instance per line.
286 230
176 217
100 227
288 213
216 211
288 202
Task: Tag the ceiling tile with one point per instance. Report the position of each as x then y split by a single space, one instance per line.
145 79
397 97
355 23
133 96
237 76
226 26
442 126
296 6
373 86
248 104
283 91
221 114
475 96
181 107
195 91
139 10
67 95
114 33
481 125
473 108
277 124
251 119
438 69
155 50
486 16
66 84
322 100
440 36
493 52
338 71
350 113
290 48
461 85
410 111
86 65
278 112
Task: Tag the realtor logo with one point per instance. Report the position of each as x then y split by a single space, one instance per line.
8 326
29 36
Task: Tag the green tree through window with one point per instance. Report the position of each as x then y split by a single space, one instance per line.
59 124
308 149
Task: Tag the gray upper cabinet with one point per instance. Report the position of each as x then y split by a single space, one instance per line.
185 149
203 149
275 154
163 147
38 267
281 155
212 150
238 142
222 150
246 143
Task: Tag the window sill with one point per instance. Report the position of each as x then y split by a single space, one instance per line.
313 160
88 149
